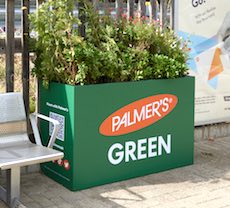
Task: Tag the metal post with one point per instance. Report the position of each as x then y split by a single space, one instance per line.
130 8
25 53
119 9
13 185
10 45
163 12
38 2
154 9
172 14
3 194
142 8
82 18
17 45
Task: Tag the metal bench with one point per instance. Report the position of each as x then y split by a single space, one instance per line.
16 150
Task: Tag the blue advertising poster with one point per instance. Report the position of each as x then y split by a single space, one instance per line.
206 24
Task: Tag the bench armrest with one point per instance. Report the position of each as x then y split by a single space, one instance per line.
33 119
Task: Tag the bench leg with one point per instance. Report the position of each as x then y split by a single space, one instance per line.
13 185
3 194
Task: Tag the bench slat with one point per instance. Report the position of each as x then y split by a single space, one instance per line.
8 140
15 127
11 107
26 153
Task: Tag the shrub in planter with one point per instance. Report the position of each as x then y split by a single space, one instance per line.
112 51
140 123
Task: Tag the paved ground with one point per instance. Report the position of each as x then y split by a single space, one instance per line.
204 184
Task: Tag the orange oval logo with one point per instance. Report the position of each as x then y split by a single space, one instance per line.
138 115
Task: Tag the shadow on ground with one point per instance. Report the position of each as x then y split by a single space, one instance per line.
207 181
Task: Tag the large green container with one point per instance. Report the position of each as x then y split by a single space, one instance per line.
116 131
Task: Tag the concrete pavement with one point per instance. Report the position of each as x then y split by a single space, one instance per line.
204 184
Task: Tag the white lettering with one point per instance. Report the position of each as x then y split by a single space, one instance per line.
119 155
162 143
130 148
130 123
156 106
143 112
138 150
115 122
148 112
141 144
122 122
152 147
165 105
139 117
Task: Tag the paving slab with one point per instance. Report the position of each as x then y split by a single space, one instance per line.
204 184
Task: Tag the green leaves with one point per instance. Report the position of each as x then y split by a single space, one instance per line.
167 68
112 50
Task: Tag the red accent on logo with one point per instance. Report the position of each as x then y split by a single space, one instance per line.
66 164
60 162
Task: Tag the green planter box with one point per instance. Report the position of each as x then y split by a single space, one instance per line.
116 131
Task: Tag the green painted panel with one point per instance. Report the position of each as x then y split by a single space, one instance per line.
132 143
58 102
